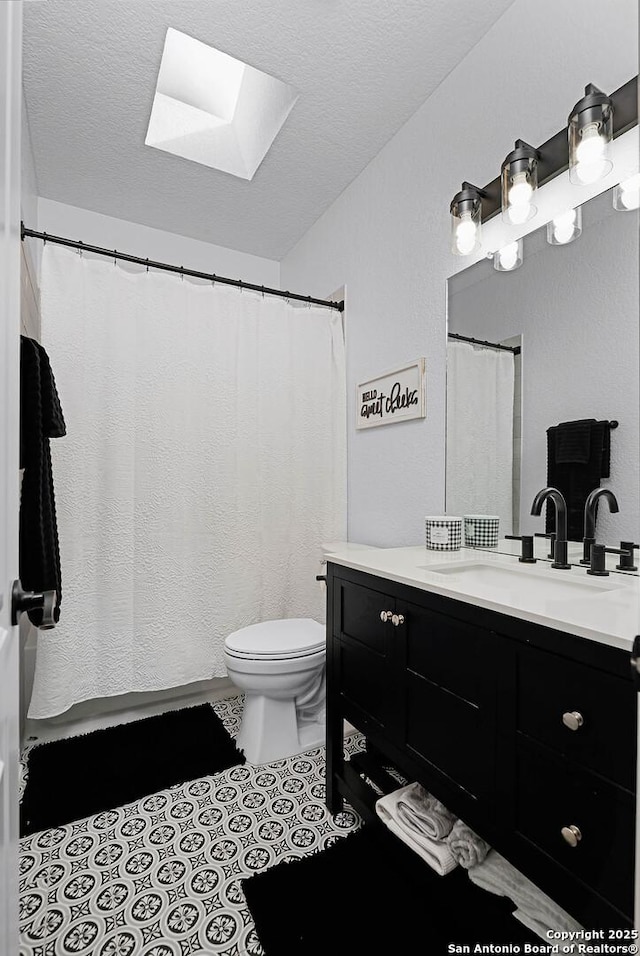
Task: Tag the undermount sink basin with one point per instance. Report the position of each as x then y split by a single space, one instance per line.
525 584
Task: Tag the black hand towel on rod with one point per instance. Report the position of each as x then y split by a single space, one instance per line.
40 419
578 457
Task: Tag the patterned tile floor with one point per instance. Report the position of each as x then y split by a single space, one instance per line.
160 877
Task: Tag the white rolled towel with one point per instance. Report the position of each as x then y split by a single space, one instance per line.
467 847
535 909
434 852
422 813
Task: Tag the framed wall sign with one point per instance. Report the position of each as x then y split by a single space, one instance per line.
392 397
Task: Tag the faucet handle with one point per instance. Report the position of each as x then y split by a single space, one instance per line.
552 538
598 559
626 561
587 544
526 556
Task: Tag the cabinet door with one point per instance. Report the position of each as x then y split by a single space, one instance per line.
450 698
364 650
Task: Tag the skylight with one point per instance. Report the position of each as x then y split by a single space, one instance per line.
214 109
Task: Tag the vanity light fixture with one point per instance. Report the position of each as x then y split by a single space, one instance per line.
585 145
590 136
519 181
626 195
466 220
565 227
509 257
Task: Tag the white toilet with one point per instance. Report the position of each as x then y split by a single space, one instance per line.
280 666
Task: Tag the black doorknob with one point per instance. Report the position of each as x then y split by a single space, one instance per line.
22 601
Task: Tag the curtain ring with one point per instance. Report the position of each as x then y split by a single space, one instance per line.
263 292
213 281
309 302
115 254
79 250
45 237
181 273
147 263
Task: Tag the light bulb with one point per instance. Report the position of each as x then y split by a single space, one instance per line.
591 153
519 214
629 192
591 147
508 256
466 220
519 198
466 232
564 227
521 190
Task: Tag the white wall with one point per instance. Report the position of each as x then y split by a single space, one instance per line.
98 230
386 237
577 309
29 325
29 182
28 191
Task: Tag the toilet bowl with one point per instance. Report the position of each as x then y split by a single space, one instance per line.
280 666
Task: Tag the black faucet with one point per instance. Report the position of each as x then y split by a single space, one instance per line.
561 548
589 538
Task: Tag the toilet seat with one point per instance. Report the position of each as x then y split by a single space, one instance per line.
279 640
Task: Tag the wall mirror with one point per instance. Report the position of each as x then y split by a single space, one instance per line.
561 345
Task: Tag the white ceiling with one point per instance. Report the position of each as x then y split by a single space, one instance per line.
361 68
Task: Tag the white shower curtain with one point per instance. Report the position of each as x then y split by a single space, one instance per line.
479 478
203 469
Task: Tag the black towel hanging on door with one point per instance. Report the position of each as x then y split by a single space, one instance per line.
578 457
41 418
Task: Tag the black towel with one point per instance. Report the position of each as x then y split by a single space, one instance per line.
571 472
573 442
40 419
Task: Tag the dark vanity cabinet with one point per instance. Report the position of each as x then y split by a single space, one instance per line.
525 732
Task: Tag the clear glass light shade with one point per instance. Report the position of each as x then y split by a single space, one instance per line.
626 195
466 227
509 257
565 227
590 136
519 182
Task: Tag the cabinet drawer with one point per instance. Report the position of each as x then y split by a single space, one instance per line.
551 795
451 734
451 653
359 611
550 686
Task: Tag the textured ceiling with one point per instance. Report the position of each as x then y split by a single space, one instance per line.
361 68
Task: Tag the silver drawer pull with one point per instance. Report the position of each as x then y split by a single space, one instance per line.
386 616
573 720
397 619
572 835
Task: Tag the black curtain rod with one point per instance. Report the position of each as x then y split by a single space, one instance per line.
180 270
490 345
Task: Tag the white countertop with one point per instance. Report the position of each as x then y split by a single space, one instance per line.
606 610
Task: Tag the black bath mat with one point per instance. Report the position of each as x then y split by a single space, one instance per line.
371 895
74 778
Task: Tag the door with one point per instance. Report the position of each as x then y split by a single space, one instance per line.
10 119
